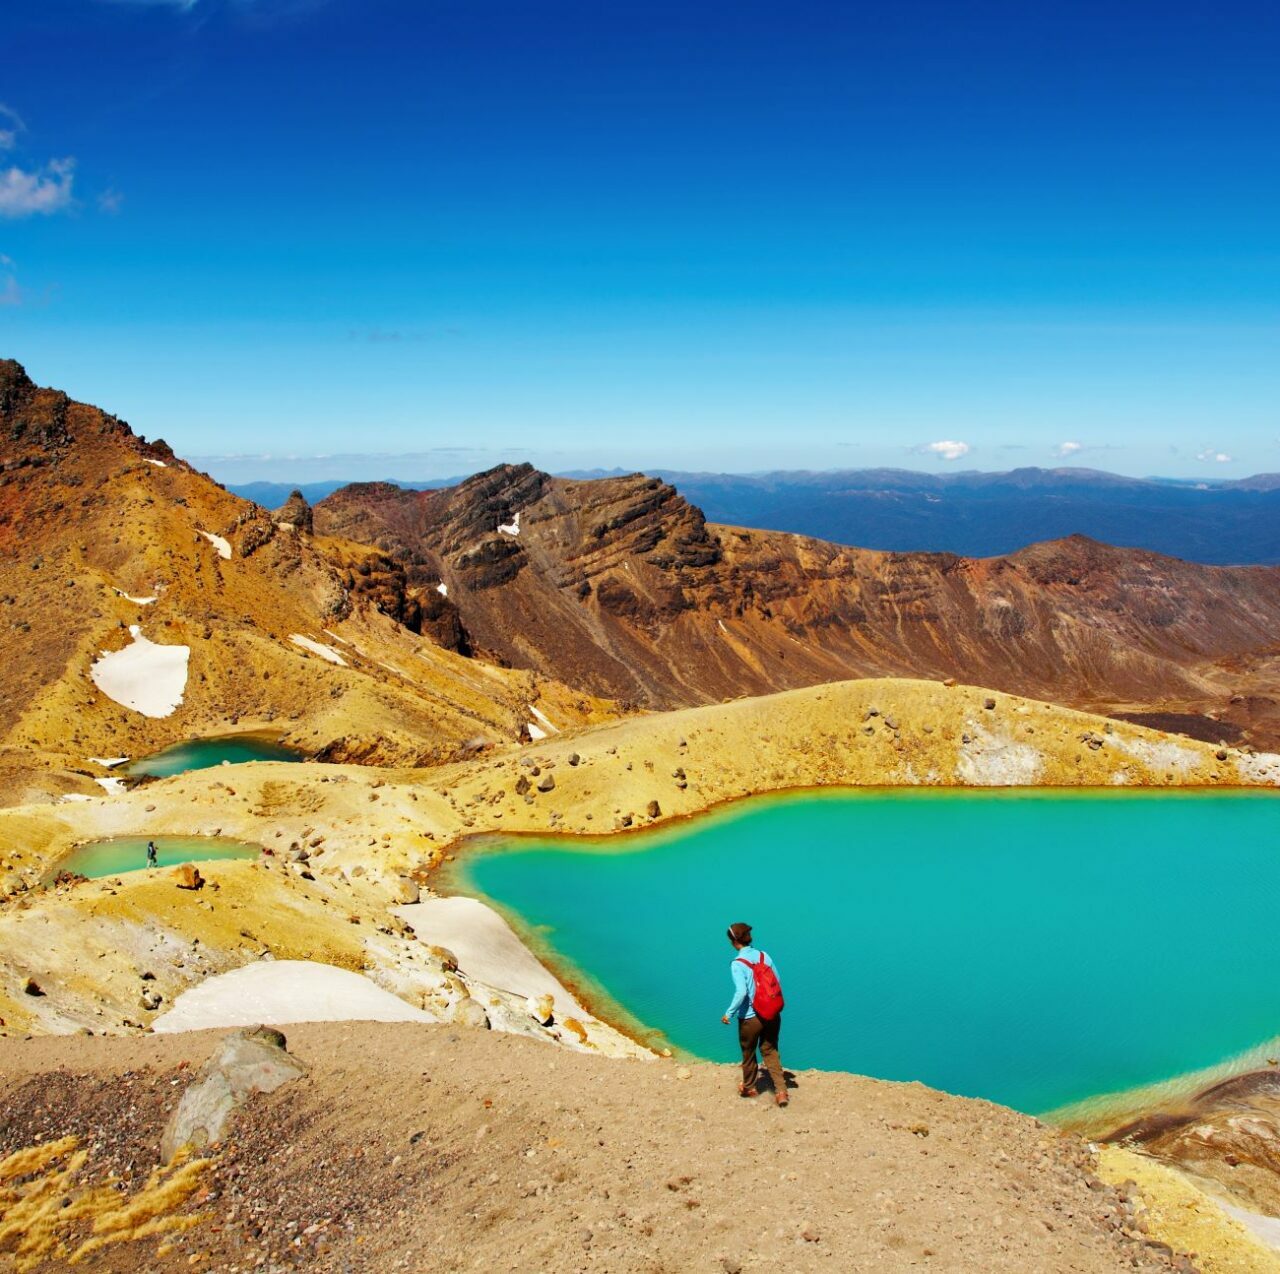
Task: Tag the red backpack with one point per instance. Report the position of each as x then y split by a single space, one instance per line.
767 1000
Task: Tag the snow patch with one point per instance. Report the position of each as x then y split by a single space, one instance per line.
318 648
111 786
330 633
68 797
535 732
512 527
276 992
137 601
148 678
1266 1228
224 549
487 949
542 717
159 464
109 762
443 589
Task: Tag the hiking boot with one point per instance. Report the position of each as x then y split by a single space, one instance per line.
744 1091
782 1098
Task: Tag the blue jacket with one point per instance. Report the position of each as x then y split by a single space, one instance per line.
744 982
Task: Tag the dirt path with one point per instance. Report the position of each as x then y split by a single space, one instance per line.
435 1147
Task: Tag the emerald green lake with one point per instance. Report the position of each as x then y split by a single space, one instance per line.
1033 948
202 754
129 853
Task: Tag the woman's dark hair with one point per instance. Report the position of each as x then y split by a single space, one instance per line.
740 933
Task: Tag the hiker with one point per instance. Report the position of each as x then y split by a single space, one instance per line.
152 860
757 1004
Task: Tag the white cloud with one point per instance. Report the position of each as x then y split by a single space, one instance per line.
110 201
27 194
948 450
10 126
1217 457
1066 449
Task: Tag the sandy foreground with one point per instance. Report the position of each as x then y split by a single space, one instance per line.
437 1147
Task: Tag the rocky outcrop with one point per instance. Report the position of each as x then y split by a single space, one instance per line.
295 512
248 1062
1227 1134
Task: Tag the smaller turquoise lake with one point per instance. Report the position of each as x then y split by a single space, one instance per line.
1033 948
203 754
129 853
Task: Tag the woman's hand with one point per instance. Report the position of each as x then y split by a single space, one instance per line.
725 1019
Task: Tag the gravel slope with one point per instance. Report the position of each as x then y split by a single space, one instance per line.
415 1147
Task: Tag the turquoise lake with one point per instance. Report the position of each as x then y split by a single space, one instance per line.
202 754
1032 948
129 853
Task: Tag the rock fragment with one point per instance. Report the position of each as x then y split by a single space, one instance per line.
249 1061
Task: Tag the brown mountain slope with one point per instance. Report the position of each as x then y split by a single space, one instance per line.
101 531
620 585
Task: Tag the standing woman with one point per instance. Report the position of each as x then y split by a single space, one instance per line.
757 1004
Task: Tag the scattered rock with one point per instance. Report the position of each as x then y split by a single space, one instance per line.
543 1009
653 809
546 783
446 957
250 1061
574 758
32 987
188 876
406 890
989 704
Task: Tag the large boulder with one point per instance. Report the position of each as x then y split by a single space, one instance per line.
247 1062
295 512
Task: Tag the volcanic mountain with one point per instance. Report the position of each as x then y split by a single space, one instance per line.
112 545
621 586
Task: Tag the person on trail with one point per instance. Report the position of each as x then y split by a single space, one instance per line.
152 860
757 1006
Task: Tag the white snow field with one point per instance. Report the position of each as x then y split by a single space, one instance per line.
148 678
487 949
275 992
318 648
510 528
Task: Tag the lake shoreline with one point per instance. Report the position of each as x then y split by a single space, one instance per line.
1093 1114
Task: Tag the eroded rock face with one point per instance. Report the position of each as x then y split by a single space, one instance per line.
1228 1133
247 1062
620 586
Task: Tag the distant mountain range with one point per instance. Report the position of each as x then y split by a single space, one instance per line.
970 513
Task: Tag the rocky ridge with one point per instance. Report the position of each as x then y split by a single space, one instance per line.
621 586
102 532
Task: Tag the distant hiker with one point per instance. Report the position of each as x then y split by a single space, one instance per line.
152 860
757 1004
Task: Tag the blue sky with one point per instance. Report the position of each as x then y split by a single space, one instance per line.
723 236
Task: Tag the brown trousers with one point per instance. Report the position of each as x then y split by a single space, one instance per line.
753 1033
